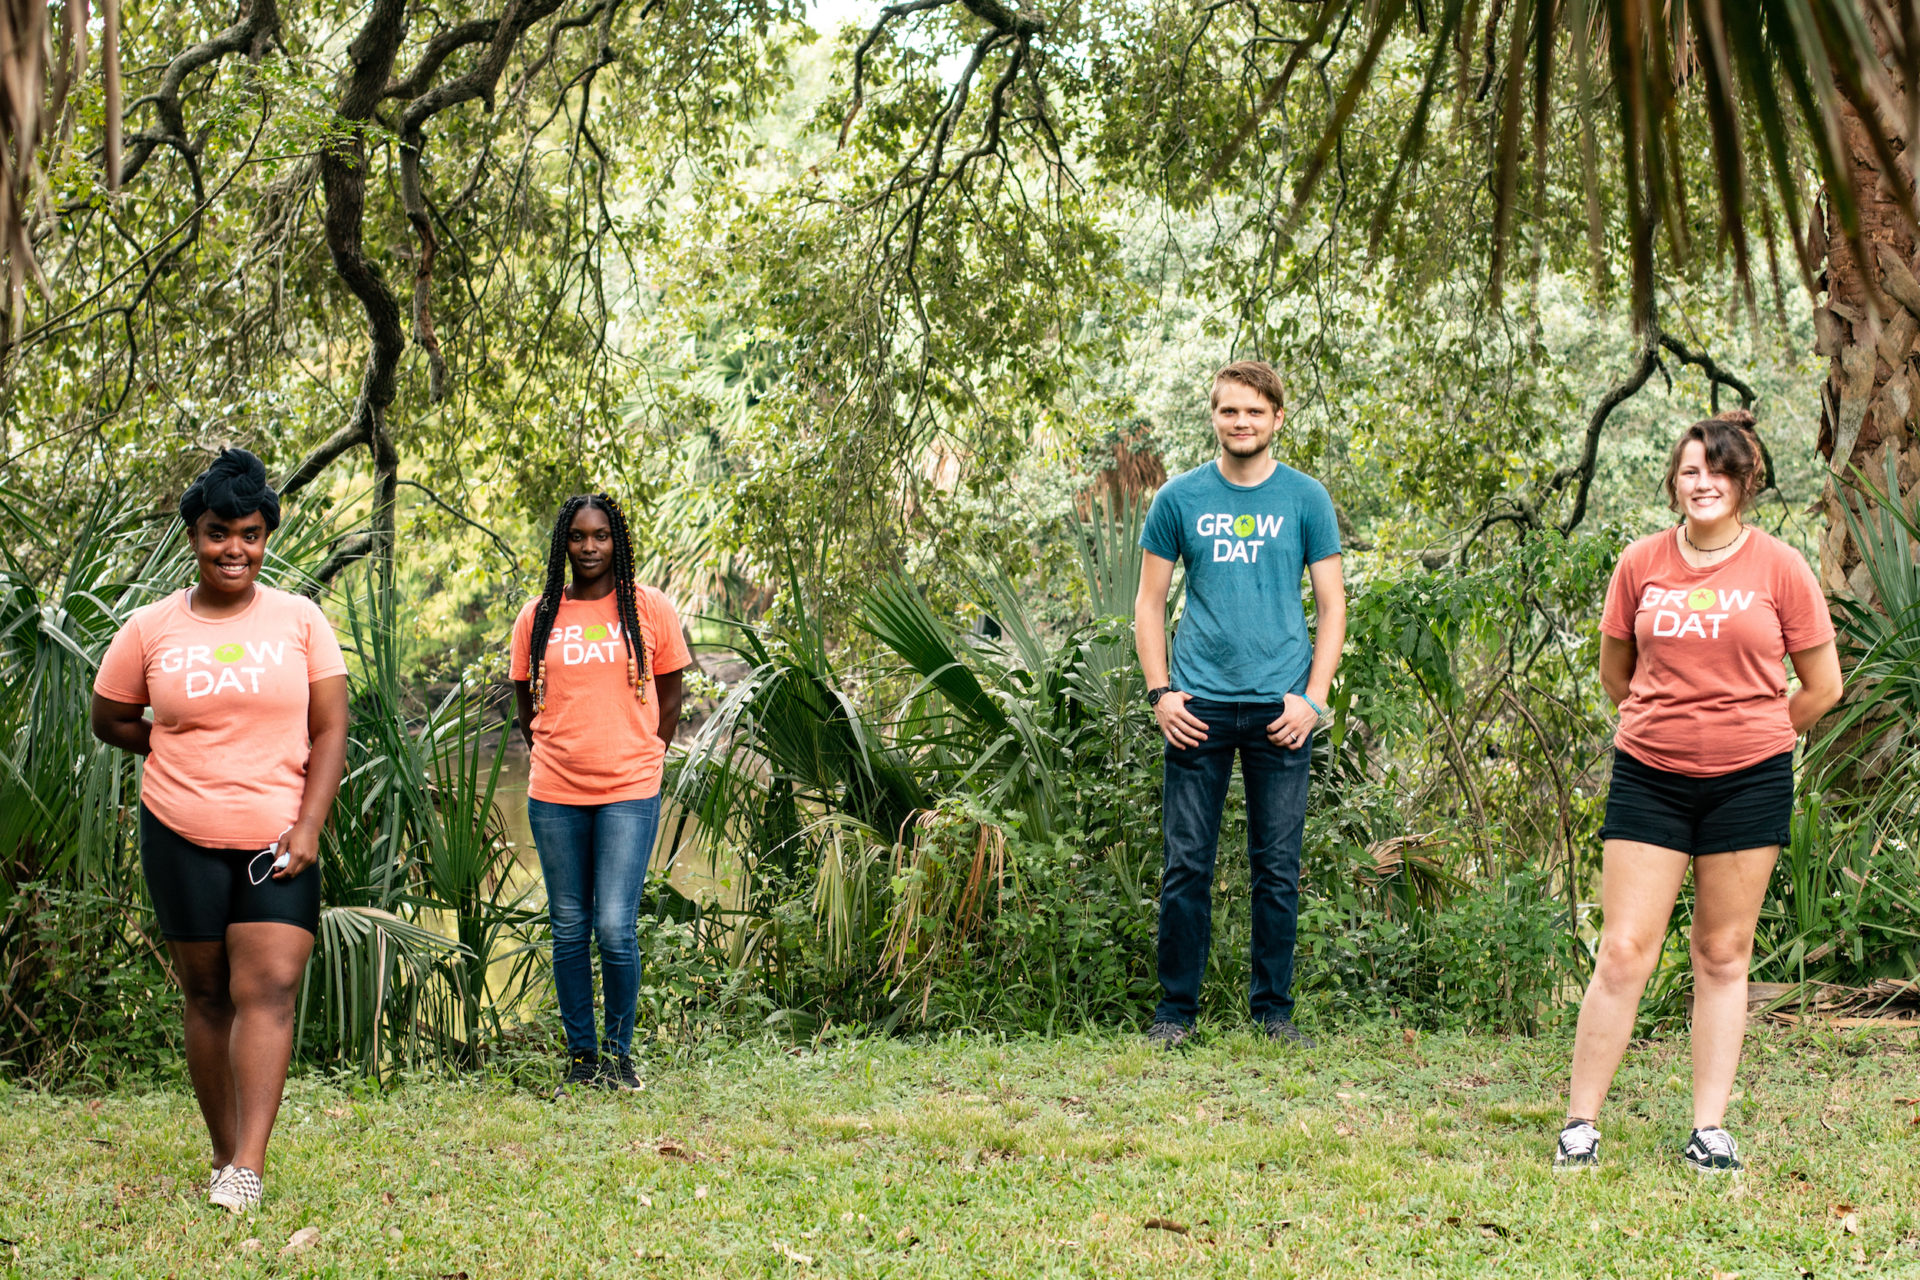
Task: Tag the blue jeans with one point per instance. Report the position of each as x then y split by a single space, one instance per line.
1194 794
594 860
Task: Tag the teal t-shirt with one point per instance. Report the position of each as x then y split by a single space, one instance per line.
1243 635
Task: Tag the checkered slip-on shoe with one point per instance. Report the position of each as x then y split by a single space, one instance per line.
238 1191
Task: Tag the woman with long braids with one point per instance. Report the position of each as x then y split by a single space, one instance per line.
597 680
1700 622
244 754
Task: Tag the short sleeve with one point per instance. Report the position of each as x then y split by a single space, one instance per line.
1806 622
324 659
123 670
1616 619
1161 532
1323 526
519 648
670 651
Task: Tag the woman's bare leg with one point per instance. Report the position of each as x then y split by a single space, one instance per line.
1638 885
201 968
267 961
1728 889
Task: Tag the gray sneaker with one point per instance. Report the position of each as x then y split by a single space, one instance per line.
1283 1030
1169 1035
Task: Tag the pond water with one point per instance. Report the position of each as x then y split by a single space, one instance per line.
687 869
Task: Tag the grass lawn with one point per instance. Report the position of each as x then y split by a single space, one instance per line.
1377 1154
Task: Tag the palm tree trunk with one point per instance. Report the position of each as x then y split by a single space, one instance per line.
1868 328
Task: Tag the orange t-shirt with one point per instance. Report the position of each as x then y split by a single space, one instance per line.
229 698
1709 688
596 743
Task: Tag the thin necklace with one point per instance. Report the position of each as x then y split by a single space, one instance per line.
1707 551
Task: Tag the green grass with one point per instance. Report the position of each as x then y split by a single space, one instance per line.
1375 1155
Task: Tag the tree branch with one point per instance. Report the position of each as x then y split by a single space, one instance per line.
1581 472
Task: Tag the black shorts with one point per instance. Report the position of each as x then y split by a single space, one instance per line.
1746 809
197 892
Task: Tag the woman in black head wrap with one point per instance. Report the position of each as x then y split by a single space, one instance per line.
244 755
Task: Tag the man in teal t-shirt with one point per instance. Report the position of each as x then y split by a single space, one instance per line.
1246 679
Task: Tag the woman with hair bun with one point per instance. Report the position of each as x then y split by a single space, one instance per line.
596 670
243 759
1698 621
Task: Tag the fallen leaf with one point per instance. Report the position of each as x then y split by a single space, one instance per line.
793 1256
1344 1131
1851 1224
339 1113
1453 1220
646 1201
1859 1255
1494 1229
699 1193
905 1238
1165 1224
1842 1210
671 1150
1726 1275
304 1238
249 1245
1409 1035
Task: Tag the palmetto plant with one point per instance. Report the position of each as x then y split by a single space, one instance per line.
854 783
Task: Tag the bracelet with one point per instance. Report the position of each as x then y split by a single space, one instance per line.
1324 714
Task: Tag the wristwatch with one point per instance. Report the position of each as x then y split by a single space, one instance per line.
1154 695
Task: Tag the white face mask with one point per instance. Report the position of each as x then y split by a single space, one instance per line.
275 865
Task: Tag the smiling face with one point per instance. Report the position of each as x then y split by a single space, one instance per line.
589 545
1244 420
229 552
1705 496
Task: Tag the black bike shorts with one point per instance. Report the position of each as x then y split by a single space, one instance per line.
197 892
1749 808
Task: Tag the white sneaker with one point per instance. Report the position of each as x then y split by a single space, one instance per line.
213 1179
238 1189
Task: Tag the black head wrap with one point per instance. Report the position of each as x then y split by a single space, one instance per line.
233 487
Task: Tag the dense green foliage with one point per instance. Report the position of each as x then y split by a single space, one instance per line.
884 361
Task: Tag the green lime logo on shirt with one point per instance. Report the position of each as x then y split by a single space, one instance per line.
229 653
1243 527
1701 598
597 631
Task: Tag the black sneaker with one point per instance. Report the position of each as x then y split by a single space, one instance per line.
618 1074
1579 1147
1284 1030
582 1070
1169 1035
1711 1150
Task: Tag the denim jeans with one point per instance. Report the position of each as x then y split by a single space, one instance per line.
594 860
1195 792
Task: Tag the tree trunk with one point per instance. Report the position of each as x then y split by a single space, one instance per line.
1869 329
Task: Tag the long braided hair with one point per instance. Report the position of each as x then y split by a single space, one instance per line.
625 592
